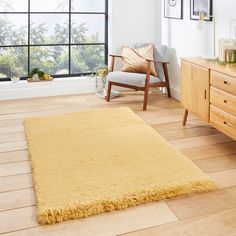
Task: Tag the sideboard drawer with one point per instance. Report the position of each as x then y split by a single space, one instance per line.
223 121
223 100
224 82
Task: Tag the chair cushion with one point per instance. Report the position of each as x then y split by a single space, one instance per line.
160 53
134 59
135 79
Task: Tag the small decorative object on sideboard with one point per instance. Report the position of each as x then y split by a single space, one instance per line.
230 55
227 49
37 75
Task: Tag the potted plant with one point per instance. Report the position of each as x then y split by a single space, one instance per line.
36 74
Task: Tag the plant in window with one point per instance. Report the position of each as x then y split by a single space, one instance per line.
37 72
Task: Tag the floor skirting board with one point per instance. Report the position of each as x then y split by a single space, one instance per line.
57 87
175 92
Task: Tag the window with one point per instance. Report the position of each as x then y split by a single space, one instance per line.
60 37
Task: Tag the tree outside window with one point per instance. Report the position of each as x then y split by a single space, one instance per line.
60 37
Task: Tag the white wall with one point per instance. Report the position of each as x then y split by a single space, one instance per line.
134 21
190 38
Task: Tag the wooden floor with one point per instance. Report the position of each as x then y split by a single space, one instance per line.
203 214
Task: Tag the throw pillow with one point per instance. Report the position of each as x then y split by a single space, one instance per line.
134 59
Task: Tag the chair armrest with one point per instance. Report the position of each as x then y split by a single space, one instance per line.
163 62
115 56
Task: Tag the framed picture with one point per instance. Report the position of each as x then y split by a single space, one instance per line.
201 6
173 9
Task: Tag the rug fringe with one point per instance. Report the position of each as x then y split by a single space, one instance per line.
51 216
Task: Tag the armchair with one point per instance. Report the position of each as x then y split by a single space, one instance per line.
140 81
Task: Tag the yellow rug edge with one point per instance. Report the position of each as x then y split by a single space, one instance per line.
52 216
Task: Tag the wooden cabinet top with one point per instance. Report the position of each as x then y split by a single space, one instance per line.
229 69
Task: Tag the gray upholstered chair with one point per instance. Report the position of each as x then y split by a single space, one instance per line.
140 81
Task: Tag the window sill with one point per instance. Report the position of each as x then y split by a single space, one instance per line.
62 86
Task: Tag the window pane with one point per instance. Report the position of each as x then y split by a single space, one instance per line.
86 58
53 29
49 5
88 5
13 29
88 28
52 60
13 61
13 6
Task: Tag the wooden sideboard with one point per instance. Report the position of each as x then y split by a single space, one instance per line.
209 91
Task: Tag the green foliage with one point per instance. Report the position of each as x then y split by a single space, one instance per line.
12 65
54 59
36 71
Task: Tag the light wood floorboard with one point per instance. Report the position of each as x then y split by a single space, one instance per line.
218 163
16 168
203 204
212 151
103 225
14 156
16 182
218 224
225 178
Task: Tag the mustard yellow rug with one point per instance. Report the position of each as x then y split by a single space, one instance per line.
98 161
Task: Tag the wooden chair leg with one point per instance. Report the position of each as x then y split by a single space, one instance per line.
108 91
185 117
145 98
168 91
167 79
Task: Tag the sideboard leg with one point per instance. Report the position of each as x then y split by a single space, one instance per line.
185 116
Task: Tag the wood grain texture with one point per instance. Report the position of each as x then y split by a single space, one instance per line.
188 133
223 100
223 121
13 156
223 82
13 146
16 168
199 77
203 204
16 182
225 178
217 163
220 224
202 152
12 137
108 224
17 219
174 126
17 199
195 81
201 141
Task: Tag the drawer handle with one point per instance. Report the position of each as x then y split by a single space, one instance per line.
225 101
225 122
225 82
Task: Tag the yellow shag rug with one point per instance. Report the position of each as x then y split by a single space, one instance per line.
90 162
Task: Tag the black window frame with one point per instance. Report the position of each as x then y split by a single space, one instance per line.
69 44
